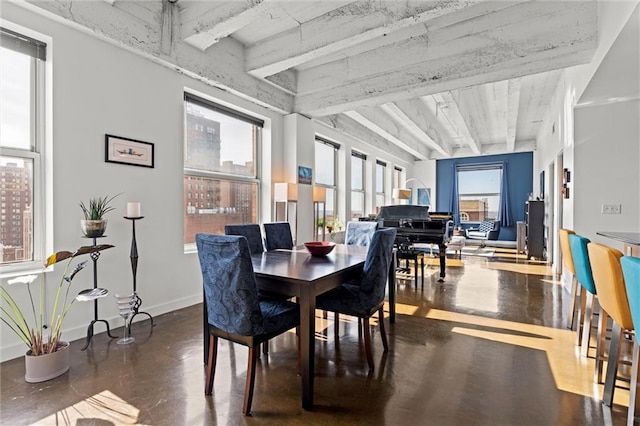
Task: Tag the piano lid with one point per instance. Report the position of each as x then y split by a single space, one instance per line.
404 211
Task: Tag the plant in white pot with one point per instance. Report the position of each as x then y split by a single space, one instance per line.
47 356
94 224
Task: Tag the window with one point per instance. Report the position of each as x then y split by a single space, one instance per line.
220 159
326 165
357 184
479 192
381 171
22 138
397 176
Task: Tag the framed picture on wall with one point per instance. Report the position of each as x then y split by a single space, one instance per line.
304 175
128 151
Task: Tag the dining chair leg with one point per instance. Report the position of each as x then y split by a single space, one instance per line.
612 365
572 303
383 333
265 347
251 379
582 307
634 395
586 325
211 364
600 343
367 343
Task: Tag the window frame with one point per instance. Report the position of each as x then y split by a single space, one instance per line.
476 168
382 181
334 187
218 107
41 147
363 158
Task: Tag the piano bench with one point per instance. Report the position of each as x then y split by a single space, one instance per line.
413 255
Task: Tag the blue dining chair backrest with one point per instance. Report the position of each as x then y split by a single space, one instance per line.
631 271
229 284
251 231
278 235
359 233
376 265
581 263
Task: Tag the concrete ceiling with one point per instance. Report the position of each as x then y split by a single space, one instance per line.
431 79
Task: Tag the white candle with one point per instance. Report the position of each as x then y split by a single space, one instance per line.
133 210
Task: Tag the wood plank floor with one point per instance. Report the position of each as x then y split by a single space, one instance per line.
489 346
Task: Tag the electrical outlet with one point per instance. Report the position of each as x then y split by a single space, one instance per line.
611 208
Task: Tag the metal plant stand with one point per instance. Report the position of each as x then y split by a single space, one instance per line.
94 258
134 269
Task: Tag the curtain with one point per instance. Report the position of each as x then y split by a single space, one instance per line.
454 206
504 211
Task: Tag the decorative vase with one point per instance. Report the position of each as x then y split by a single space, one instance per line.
48 366
93 228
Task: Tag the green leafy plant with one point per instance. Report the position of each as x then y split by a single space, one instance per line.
42 338
97 207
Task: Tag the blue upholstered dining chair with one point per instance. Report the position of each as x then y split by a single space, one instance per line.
251 231
631 271
278 235
612 296
359 233
364 297
584 276
234 310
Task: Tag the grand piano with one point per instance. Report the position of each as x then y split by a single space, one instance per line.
414 224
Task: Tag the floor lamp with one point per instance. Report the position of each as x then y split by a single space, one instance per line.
319 197
405 194
284 192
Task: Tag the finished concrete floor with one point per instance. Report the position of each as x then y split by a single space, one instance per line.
489 346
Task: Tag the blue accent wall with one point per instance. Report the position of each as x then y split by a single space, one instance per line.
520 174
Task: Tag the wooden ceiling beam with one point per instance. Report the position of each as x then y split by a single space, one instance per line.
379 122
203 23
350 24
498 48
450 109
513 106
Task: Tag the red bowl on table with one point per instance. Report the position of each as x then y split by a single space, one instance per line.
319 248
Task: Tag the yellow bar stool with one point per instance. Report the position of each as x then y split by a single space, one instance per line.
631 271
567 260
612 295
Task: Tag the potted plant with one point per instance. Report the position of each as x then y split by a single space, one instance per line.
94 224
47 356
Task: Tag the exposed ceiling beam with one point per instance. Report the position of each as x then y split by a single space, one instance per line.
513 106
346 125
412 118
380 123
347 26
205 23
503 47
447 106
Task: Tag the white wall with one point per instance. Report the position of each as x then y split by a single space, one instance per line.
97 89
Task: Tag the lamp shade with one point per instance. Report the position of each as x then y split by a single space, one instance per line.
319 194
283 191
402 194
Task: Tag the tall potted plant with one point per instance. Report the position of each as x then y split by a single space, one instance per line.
94 224
47 356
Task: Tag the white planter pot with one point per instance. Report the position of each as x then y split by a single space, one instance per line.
46 367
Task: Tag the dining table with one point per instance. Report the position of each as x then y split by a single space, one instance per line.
631 241
296 273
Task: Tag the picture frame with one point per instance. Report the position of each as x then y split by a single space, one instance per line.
118 149
305 175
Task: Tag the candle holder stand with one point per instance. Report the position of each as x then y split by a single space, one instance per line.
137 301
94 258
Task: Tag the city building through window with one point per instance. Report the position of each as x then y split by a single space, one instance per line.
22 130
220 166
479 192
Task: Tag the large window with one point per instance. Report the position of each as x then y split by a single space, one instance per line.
220 167
397 175
22 125
381 171
479 192
326 166
357 184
